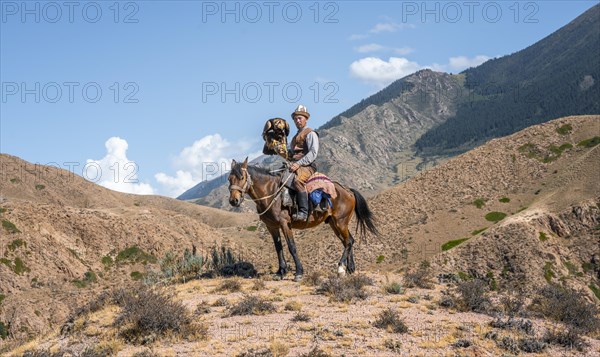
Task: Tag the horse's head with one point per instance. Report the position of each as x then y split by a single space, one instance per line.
239 182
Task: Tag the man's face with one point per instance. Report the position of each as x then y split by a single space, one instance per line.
300 121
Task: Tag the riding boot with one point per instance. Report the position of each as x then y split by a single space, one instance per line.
302 214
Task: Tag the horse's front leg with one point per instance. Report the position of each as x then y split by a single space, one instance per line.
279 249
289 238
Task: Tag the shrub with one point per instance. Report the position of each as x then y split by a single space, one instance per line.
477 231
313 278
136 275
390 320
447 302
265 352
221 302
146 312
462 343
421 277
480 202
564 129
134 255
2 297
569 338
252 305
293 306
453 243
588 143
345 288
509 344
40 187
17 243
202 308
472 296
568 307
513 304
20 267
251 228
10 227
3 330
301 317
495 216
504 200
592 287
107 261
543 237
513 324
316 352
531 345
88 278
393 288
231 285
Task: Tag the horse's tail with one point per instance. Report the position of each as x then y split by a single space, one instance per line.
364 216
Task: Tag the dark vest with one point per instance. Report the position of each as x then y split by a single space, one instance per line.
299 147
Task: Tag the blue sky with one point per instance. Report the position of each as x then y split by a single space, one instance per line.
156 96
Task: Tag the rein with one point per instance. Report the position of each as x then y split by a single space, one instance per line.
248 185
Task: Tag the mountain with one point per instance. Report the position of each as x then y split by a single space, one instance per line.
60 231
423 119
543 180
555 77
518 211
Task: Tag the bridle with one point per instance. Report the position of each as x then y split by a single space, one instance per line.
247 185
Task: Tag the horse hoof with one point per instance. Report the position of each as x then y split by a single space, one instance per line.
297 278
277 277
341 271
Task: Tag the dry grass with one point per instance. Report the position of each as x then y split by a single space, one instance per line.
252 305
293 306
345 289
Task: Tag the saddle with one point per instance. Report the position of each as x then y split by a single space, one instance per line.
320 192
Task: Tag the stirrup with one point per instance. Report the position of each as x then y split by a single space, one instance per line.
299 217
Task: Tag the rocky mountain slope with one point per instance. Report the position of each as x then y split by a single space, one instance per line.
60 232
541 180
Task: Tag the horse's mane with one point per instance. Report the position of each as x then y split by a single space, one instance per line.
254 171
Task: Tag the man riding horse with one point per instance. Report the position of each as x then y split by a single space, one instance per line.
303 152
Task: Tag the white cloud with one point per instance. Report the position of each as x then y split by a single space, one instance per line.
372 47
462 62
381 73
389 27
375 47
115 171
207 158
403 50
357 37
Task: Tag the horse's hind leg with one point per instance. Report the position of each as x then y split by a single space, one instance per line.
347 259
279 249
351 266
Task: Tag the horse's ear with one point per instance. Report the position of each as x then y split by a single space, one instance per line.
233 163
245 163
287 128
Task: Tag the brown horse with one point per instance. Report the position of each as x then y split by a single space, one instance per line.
264 187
